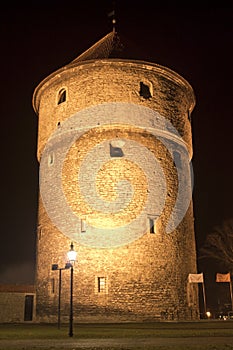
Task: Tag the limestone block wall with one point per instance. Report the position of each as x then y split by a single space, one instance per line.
14 307
115 180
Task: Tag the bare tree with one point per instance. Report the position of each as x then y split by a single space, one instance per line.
219 245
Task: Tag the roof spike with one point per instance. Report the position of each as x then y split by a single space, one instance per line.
114 24
112 14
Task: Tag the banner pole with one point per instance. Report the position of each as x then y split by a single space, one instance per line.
204 298
231 293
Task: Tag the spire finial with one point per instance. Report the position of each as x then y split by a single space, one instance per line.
114 24
112 14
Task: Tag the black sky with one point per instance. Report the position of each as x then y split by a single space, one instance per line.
193 39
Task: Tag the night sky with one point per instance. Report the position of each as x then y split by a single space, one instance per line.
195 40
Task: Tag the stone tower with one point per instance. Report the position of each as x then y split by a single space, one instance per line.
114 146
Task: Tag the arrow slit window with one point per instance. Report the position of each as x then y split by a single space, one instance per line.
51 159
101 285
152 225
83 225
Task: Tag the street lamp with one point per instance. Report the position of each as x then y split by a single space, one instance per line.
56 268
71 255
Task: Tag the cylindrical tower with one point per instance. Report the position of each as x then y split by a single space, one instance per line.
114 146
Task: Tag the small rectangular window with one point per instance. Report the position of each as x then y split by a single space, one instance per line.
152 225
145 90
51 159
83 225
40 232
52 285
101 284
116 151
61 96
189 116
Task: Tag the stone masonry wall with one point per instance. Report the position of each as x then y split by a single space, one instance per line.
144 273
12 307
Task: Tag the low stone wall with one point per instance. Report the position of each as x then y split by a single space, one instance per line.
17 304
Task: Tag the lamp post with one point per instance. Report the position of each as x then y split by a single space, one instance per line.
71 255
56 268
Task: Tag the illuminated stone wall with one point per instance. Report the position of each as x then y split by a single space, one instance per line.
128 213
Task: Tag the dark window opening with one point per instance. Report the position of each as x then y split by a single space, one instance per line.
116 151
52 285
51 159
61 96
101 284
189 116
152 225
144 90
40 231
28 307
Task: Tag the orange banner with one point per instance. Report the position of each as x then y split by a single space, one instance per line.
195 278
226 277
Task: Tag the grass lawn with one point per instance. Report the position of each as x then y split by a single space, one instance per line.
133 333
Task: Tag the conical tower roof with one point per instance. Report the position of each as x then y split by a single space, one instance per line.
108 47
104 48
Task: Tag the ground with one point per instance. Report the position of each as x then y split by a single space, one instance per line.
203 335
